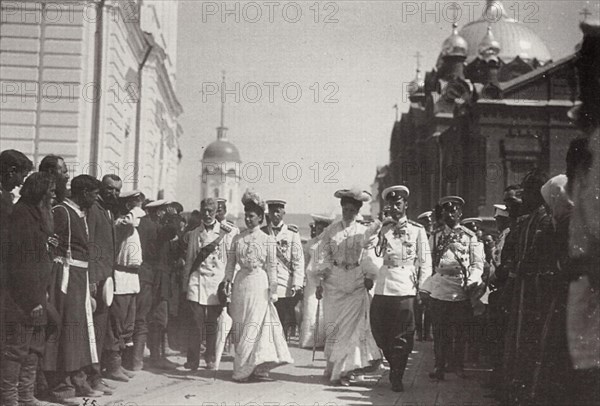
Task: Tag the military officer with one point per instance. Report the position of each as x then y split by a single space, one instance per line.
406 257
458 267
290 263
426 220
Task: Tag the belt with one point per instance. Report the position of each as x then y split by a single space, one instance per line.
127 269
346 266
392 263
449 271
67 262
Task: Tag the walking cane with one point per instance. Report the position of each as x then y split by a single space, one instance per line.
316 334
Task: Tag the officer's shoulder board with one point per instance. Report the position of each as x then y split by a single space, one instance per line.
293 228
416 224
467 231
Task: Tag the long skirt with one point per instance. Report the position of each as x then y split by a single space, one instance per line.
257 332
349 342
309 315
72 345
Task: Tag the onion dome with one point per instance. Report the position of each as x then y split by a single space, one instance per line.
221 150
455 44
417 85
515 38
489 48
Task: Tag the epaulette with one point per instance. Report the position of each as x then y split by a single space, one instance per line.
467 231
415 223
292 227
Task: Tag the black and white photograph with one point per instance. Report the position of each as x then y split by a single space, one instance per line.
289 203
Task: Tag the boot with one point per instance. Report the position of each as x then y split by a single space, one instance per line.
166 349
113 369
396 380
128 374
137 355
9 375
157 359
27 383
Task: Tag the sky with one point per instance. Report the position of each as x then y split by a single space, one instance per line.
310 86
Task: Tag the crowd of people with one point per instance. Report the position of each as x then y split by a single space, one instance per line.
91 277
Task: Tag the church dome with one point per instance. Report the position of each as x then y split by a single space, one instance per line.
514 38
221 150
455 44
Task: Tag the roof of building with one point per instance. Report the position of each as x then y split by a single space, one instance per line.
515 38
221 151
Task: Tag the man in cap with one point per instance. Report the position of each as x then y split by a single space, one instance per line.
204 270
290 263
148 230
349 343
309 309
474 224
101 217
426 220
458 266
406 264
127 285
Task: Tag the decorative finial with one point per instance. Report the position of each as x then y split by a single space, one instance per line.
585 13
222 130
488 47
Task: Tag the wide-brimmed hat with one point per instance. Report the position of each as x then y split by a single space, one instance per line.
356 194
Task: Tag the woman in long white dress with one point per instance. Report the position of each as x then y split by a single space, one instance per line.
310 302
257 332
349 343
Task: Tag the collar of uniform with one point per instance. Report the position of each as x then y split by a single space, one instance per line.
210 226
75 207
279 227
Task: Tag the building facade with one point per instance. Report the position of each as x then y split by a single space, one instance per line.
494 107
93 81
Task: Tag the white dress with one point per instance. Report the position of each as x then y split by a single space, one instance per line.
349 342
257 332
310 302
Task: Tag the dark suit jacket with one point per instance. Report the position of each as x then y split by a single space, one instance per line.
102 243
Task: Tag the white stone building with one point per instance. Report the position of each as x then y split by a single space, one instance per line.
93 81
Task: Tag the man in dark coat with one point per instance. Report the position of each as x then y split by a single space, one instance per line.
102 245
29 268
71 349
14 167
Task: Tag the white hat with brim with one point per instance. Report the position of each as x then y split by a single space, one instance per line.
456 200
157 203
356 194
500 210
470 220
130 193
394 192
276 202
317 218
425 214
